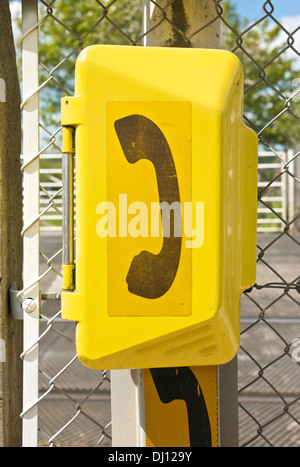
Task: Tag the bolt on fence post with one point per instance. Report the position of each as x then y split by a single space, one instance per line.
196 25
10 238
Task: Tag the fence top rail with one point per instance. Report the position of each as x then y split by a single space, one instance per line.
271 153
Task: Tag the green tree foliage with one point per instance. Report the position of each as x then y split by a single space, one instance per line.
269 70
70 26
269 73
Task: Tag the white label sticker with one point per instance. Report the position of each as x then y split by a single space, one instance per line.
2 351
2 90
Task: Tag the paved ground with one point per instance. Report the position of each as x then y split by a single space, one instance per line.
265 341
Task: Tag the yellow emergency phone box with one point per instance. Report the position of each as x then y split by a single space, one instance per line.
166 180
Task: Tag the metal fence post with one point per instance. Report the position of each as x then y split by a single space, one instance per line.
128 408
10 235
190 23
30 232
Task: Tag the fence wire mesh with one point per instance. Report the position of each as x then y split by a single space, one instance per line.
74 402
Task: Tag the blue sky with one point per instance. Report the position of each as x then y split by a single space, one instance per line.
252 9
285 11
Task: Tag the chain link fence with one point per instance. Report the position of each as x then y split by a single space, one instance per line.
73 401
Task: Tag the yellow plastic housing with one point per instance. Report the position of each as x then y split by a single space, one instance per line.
155 124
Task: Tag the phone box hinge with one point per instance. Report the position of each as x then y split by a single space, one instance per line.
68 144
71 111
68 277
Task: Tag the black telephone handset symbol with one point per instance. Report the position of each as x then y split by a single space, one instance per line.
151 275
181 384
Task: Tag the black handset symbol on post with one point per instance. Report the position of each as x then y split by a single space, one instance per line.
151 276
181 384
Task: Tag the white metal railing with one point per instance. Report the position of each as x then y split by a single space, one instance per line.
50 191
276 187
